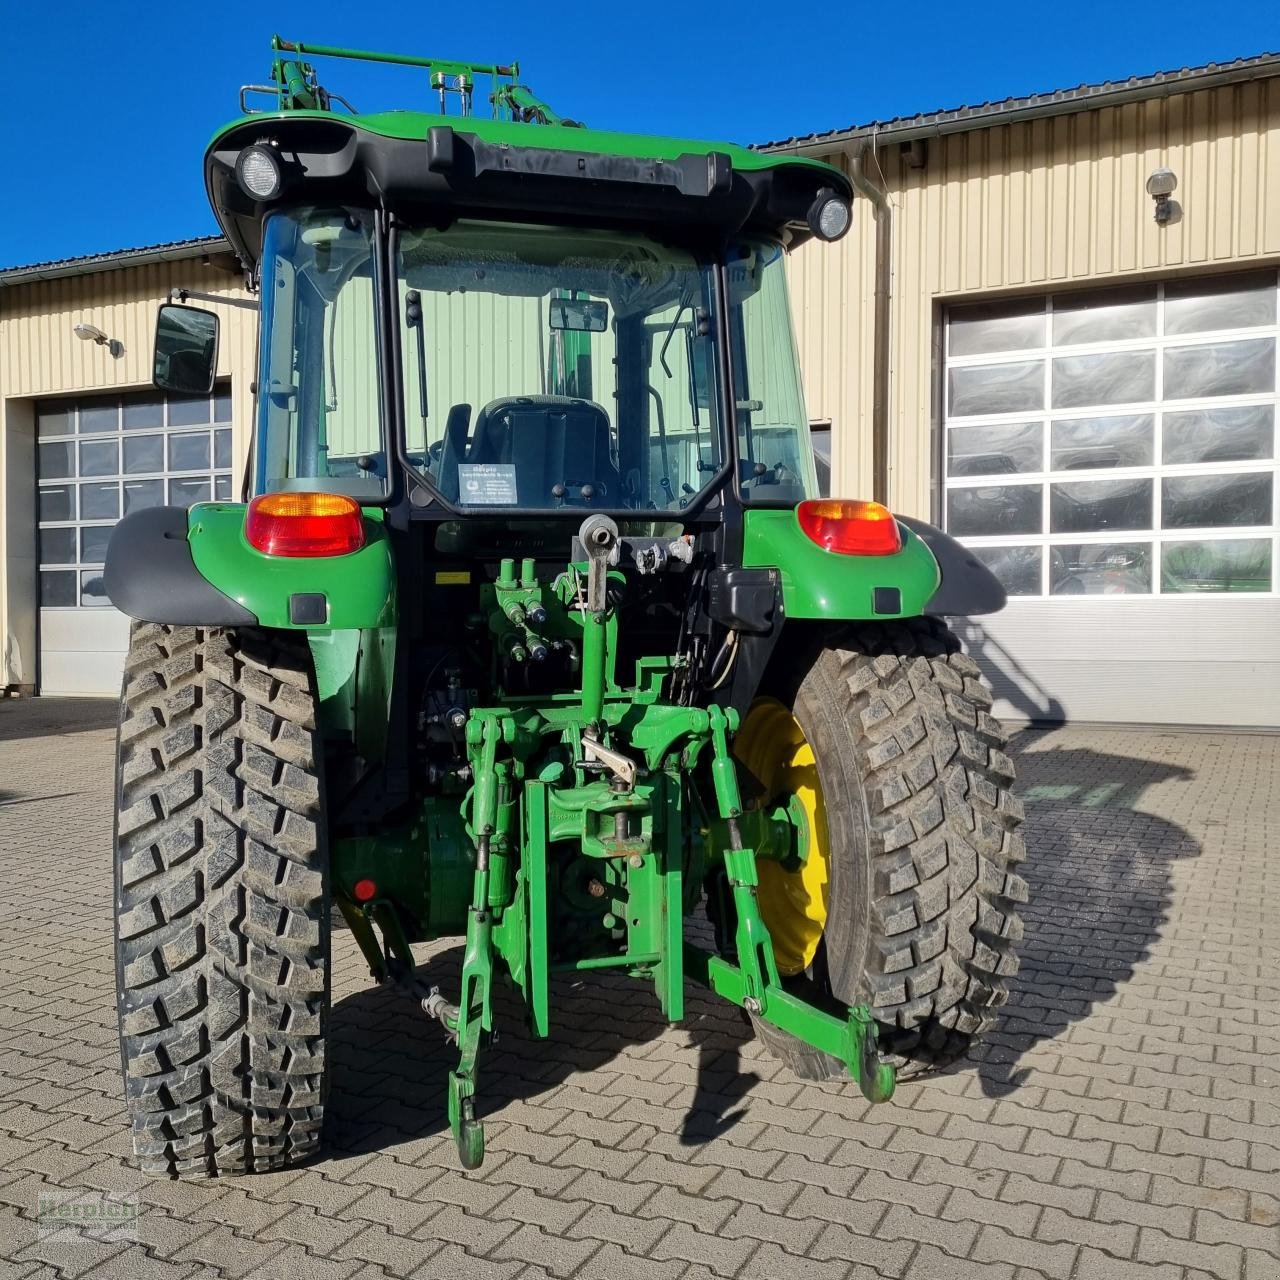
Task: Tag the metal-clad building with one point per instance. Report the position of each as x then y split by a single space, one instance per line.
1008 343
84 438
1083 393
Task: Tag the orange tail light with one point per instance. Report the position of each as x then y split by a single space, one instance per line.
850 528
304 524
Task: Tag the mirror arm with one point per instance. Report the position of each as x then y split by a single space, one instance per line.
181 295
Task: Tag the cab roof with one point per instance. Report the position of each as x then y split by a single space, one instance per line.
433 167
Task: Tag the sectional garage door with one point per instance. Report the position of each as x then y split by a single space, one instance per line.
1112 456
99 458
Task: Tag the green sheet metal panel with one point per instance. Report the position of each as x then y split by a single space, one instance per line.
817 583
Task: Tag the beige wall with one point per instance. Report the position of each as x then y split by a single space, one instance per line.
1038 206
40 356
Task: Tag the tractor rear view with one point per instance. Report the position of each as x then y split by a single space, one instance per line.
532 629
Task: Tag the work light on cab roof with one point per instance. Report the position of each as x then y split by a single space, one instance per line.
534 628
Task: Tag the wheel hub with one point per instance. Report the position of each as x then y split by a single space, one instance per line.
793 899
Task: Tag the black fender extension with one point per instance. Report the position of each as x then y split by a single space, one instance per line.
150 574
968 587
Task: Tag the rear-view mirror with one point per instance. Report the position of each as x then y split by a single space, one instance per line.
579 314
186 355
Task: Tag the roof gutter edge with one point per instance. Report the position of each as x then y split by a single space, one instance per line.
14 276
989 118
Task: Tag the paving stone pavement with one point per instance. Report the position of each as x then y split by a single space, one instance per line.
1122 1121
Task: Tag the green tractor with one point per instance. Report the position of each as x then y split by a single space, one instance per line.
532 628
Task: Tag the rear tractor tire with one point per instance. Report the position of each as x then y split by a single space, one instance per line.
221 894
908 901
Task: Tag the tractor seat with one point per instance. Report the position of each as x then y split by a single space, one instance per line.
557 444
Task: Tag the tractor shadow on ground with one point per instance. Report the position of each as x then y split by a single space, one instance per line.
722 1086
389 1062
41 717
1100 874
1099 871
8 799
1007 676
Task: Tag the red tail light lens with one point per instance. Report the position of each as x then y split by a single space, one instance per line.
850 528
304 524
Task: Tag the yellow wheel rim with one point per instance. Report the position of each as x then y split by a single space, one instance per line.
793 904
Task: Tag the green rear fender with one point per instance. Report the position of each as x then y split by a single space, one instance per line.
359 588
822 584
353 649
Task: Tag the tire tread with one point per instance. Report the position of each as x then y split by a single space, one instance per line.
942 840
221 901
907 712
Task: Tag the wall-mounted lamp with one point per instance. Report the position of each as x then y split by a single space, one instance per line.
91 333
1160 187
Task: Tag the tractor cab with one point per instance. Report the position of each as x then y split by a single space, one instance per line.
516 314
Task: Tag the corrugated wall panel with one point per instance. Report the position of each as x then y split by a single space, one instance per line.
476 351
1268 162
41 356
1035 206
831 297
352 422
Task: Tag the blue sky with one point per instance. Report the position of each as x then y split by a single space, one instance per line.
109 106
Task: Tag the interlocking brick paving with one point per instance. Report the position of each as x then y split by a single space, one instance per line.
1121 1122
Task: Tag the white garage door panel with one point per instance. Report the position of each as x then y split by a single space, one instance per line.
1165 661
81 675
82 651
1113 456
99 458
84 631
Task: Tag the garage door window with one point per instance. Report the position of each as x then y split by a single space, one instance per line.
1118 442
100 458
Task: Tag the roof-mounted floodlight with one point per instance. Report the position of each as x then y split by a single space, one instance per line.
829 215
260 172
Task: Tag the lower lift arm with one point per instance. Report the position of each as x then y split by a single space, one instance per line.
753 983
